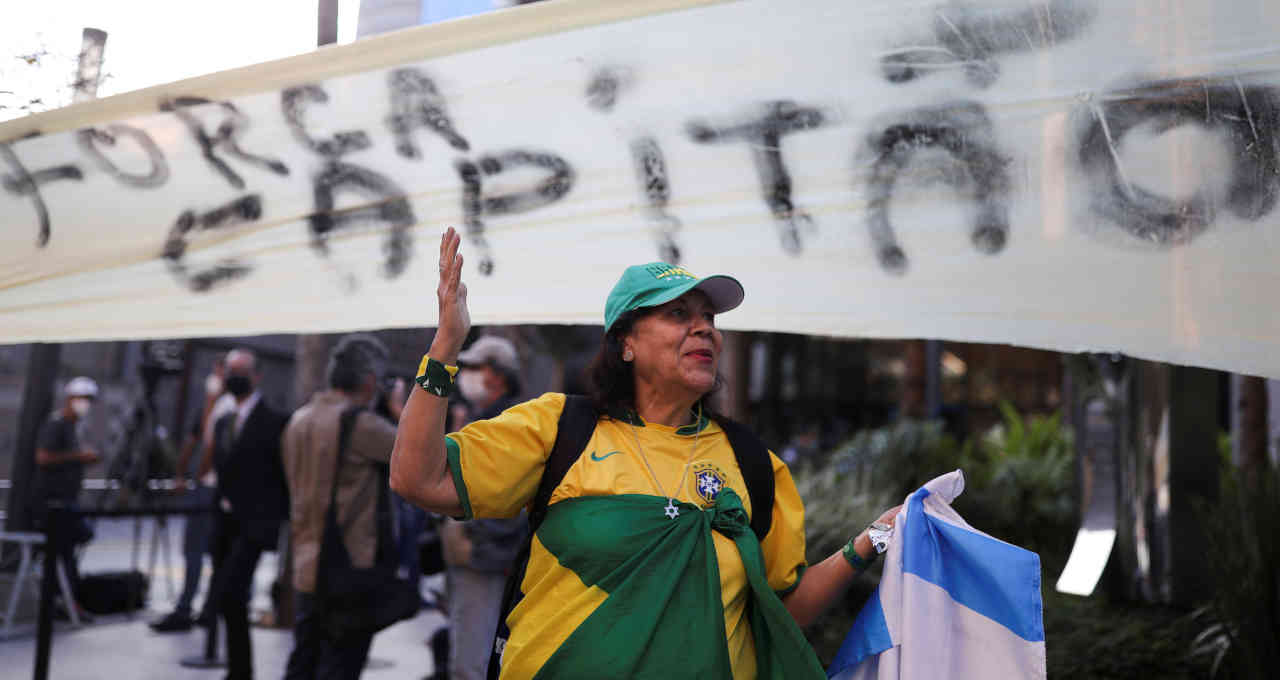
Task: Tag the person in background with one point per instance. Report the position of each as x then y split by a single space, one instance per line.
311 448
224 402
194 470
252 500
410 520
457 416
489 376
60 463
480 553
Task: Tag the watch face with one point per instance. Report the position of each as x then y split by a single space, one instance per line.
880 533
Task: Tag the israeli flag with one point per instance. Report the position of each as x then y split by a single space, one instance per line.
953 601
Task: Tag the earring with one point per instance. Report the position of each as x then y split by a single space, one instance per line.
627 355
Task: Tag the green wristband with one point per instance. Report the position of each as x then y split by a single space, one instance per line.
435 377
854 559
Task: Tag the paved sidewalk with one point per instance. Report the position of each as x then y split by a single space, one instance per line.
123 647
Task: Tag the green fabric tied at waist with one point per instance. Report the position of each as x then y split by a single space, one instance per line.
663 617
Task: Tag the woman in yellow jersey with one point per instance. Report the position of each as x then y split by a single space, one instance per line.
646 564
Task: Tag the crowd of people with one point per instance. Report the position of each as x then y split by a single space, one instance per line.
633 529
246 470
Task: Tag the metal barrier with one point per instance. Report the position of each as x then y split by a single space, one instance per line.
53 540
27 541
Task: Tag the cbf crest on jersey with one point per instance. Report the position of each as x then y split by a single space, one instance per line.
709 481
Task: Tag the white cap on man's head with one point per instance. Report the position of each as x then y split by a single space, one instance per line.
82 387
491 349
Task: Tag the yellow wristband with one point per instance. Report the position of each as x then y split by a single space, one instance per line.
422 367
436 377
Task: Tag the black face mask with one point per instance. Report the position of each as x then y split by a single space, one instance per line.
239 385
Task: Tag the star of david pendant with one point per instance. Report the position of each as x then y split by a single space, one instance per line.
671 509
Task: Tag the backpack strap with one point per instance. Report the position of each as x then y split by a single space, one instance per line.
346 424
757 471
577 423
573 432
383 521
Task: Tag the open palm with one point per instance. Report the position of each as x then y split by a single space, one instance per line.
455 318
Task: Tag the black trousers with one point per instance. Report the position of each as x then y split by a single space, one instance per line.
235 559
71 532
316 656
197 536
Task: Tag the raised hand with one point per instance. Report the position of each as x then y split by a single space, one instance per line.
455 318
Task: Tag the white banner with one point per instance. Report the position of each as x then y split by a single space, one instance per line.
1070 174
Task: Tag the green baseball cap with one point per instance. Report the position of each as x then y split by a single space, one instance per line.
656 283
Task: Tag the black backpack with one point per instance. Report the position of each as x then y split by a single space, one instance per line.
577 423
354 600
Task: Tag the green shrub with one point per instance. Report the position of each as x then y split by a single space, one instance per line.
1018 484
1018 479
1243 534
1092 637
870 473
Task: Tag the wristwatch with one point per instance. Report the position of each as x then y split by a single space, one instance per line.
879 533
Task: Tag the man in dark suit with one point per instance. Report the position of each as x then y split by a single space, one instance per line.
252 500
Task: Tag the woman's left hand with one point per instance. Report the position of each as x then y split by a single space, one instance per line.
890 515
826 581
862 542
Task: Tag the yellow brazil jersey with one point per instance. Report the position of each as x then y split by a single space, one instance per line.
497 465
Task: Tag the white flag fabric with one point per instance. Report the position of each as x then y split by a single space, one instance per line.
953 603
1066 174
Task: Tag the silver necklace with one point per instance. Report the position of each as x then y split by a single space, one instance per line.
671 510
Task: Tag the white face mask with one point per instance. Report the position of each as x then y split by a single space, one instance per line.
81 407
471 384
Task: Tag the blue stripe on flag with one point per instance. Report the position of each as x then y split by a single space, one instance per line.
960 562
868 637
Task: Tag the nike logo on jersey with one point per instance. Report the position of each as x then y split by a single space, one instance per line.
600 458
